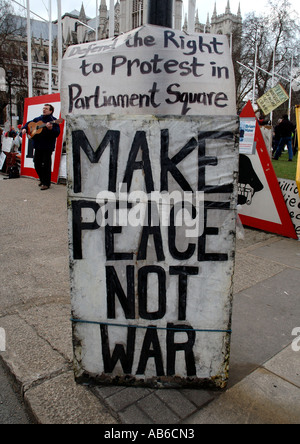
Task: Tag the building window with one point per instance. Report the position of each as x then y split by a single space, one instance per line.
137 13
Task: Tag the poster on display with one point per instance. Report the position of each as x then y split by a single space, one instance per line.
34 108
261 203
152 164
247 133
2 159
7 144
272 99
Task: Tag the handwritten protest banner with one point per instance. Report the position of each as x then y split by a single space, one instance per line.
150 70
272 99
291 197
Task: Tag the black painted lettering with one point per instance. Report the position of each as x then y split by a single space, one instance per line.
170 165
192 45
78 226
130 64
204 47
137 41
150 229
215 44
75 91
111 254
220 98
195 65
204 161
156 59
149 40
114 288
174 93
139 143
183 273
151 349
95 97
143 292
187 347
153 92
117 62
185 68
169 65
119 353
211 231
84 67
80 142
176 254
169 38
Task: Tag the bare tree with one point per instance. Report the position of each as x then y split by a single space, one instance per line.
12 52
274 33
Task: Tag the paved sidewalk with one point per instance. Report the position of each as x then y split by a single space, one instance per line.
264 384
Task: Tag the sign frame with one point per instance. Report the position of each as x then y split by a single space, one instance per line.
285 227
151 305
29 170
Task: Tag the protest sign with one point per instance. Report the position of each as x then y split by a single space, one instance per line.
2 159
152 176
151 70
272 99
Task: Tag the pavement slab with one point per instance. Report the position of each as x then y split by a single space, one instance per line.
261 398
60 400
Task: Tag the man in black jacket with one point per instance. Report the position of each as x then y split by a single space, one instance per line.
44 145
285 129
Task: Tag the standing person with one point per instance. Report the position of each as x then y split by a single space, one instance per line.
286 129
1 135
276 137
44 145
15 147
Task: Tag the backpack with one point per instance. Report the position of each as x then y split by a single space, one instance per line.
13 172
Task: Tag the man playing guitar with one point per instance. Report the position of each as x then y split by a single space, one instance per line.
44 141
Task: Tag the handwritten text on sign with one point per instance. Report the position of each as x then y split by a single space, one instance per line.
150 70
291 197
152 211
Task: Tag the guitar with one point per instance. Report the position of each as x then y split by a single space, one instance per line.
35 128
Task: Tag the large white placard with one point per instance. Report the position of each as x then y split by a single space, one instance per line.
152 237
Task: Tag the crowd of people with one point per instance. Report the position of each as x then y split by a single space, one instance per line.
284 135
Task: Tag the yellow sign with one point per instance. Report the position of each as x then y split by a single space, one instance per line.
298 138
272 99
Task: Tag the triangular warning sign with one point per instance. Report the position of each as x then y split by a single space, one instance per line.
261 201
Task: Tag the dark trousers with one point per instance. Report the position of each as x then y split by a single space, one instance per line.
282 142
42 164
